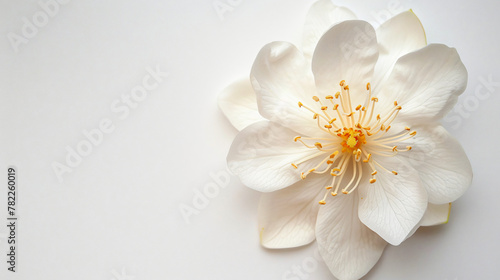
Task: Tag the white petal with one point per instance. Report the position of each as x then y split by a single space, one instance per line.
426 83
287 217
394 204
396 37
412 232
436 214
262 154
239 104
441 162
282 77
321 16
348 51
349 248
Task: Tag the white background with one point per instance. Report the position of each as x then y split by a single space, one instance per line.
116 215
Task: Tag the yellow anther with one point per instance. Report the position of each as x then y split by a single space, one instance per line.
329 97
363 109
337 94
334 154
358 125
375 99
318 145
373 181
387 129
374 173
334 194
395 148
302 175
346 87
333 171
382 127
368 157
294 165
315 116
328 187
408 148
399 108
394 172
300 104
328 126
407 128
368 86
329 162
378 117
315 98
311 170
413 133
332 120
296 138
324 108
358 155
342 83
322 202
344 192
395 103
358 107
335 106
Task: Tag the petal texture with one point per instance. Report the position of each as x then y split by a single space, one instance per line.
282 77
287 217
321 16
426 83
396 37
436 214
348 51
261 155
394 204
239 104
349 248
441 162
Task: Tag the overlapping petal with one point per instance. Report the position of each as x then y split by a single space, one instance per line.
262 153
394 204
349 248
239 104
347 51
441 162
436 214
426 83
396 37
282 77
321 16
287 217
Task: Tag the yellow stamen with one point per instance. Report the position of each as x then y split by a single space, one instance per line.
354 134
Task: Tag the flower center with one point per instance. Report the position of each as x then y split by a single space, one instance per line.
355 135
353 139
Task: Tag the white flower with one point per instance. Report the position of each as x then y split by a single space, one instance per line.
351 122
